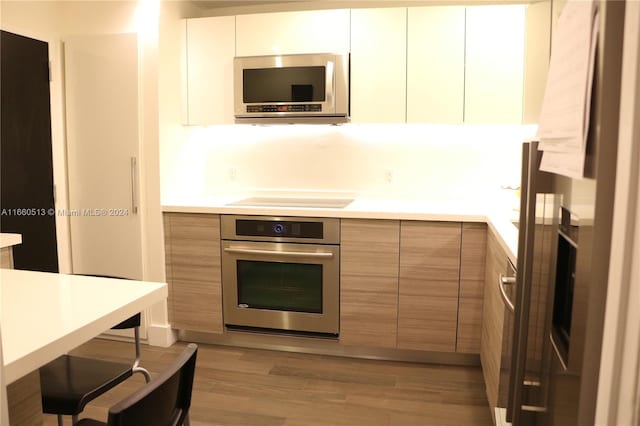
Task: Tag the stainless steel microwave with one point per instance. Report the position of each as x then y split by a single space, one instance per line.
292 88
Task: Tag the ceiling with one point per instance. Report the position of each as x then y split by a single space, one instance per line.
209 4
277 5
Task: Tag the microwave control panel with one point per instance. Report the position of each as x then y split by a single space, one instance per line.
285 108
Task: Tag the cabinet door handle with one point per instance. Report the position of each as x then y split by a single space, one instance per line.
134 185
502 281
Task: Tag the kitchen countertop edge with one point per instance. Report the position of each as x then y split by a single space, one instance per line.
500 223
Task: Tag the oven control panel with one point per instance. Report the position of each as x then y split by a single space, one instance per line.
284 228
280 229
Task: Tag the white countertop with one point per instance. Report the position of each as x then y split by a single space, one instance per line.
358 209
45 315
499 218
8 240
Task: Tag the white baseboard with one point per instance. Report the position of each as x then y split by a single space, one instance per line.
161 335
501 414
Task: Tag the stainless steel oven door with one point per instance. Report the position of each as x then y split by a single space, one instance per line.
281 286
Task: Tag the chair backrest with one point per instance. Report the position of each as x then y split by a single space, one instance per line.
162 402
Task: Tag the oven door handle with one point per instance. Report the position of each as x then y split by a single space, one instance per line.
297 254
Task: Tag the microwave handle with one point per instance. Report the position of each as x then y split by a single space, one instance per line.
329 90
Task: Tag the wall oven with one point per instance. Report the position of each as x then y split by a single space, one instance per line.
281 273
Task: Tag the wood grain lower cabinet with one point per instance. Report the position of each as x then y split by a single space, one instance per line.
492 319
429 282
369 256
6 258
472 277
192 247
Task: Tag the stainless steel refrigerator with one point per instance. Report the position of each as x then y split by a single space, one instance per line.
563 262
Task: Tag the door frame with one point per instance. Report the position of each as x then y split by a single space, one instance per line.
58 140
619 383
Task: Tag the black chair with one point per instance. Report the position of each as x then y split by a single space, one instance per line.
69 383
165 401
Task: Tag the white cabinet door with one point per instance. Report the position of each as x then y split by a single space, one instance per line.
537 52
494 64
208 86
378 65
316 31
102 119
435 64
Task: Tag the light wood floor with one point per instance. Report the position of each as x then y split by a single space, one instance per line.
236 386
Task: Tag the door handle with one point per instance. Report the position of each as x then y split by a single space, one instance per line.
134 185
502 281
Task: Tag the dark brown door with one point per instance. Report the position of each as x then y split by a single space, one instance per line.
26 166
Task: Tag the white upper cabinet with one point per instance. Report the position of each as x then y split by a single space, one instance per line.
378 65
316 31
537 51
208 86
435 64
430 64
494 64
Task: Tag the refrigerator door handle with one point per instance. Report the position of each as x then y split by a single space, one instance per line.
530 159
502 281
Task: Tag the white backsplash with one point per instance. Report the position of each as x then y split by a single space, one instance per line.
366 161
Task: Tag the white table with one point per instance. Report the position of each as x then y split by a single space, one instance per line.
9 240
45 315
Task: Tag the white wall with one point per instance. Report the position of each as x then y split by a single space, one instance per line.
372 161
168 113
53 21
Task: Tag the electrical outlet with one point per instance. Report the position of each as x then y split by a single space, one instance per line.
388 176
233 174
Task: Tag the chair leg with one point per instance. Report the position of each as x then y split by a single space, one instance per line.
143 371
60 421
74 420
186 420
136 364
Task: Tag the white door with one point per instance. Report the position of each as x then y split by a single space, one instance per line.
101 87
101 92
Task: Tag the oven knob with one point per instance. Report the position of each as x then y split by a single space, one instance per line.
278 228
